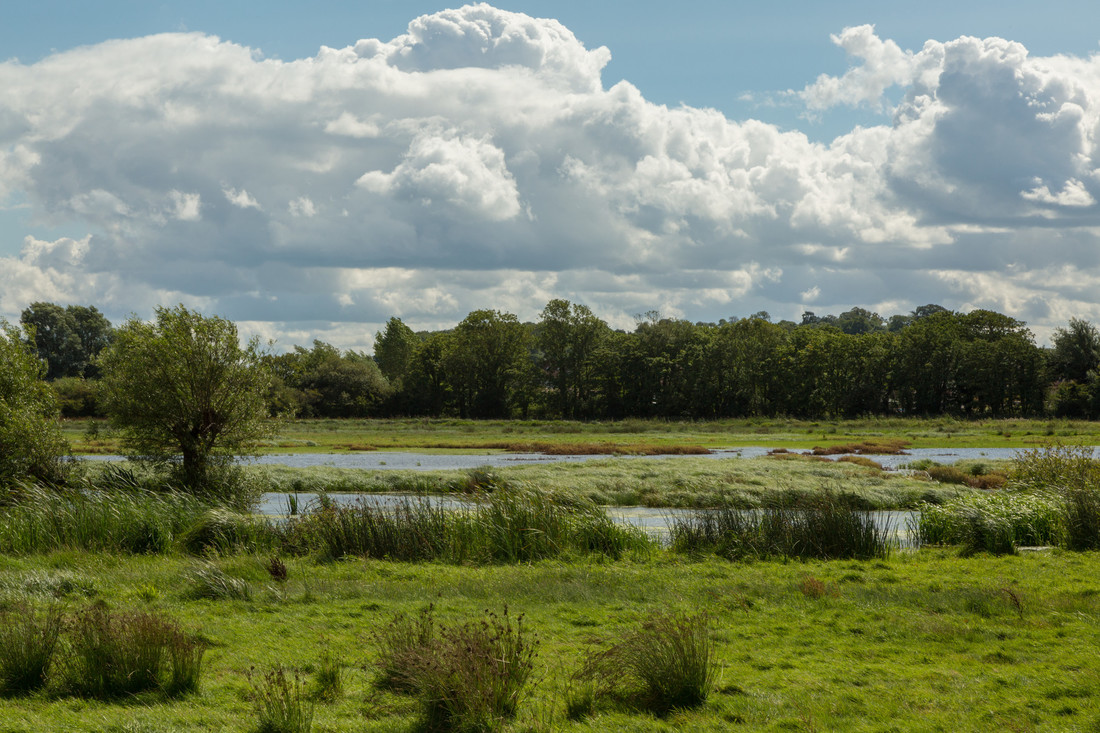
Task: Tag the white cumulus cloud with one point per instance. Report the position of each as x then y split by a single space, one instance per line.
478 161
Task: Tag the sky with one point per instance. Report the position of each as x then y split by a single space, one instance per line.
311 171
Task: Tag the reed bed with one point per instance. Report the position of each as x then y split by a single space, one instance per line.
507 525
997 522
823 528
131 521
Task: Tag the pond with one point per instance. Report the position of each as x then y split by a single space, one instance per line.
394 461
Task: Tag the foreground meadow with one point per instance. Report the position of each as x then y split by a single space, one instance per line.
921 641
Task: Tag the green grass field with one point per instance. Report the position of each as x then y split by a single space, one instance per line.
923 642
630 436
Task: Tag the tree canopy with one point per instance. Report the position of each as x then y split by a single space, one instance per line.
185 393
67 339
31 445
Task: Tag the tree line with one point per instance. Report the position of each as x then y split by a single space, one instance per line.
571 364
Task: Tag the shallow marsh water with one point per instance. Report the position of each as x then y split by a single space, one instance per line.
401 461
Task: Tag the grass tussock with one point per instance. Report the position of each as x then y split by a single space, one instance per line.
1056 467
1082 519
975 479
861 461
131 521
128 652
280 702
468 677
28 642
667 664
401 643
222 530
207 580
328 677
823 527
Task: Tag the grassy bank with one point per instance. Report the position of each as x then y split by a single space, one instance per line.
923 641
629 436
683 482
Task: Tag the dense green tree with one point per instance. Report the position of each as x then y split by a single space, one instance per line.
31 445
68 339
488 364
77 397
185 394
393 350
1000 368
927 364
335 384
663 370
1075 351
426 386
745 356
567 337
859 321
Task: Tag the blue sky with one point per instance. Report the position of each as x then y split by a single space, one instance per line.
310 201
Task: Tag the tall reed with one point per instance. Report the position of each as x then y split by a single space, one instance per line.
993 522
130 521
506 525
823 527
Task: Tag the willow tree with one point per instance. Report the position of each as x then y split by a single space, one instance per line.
185 394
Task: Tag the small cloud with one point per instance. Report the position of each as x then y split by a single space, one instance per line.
302 207
241 199
186 205
1073 193
348 125
811 295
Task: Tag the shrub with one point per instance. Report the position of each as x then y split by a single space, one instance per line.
31 444
667 664
28 640
280 705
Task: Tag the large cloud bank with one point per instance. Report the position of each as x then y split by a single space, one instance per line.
478 161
